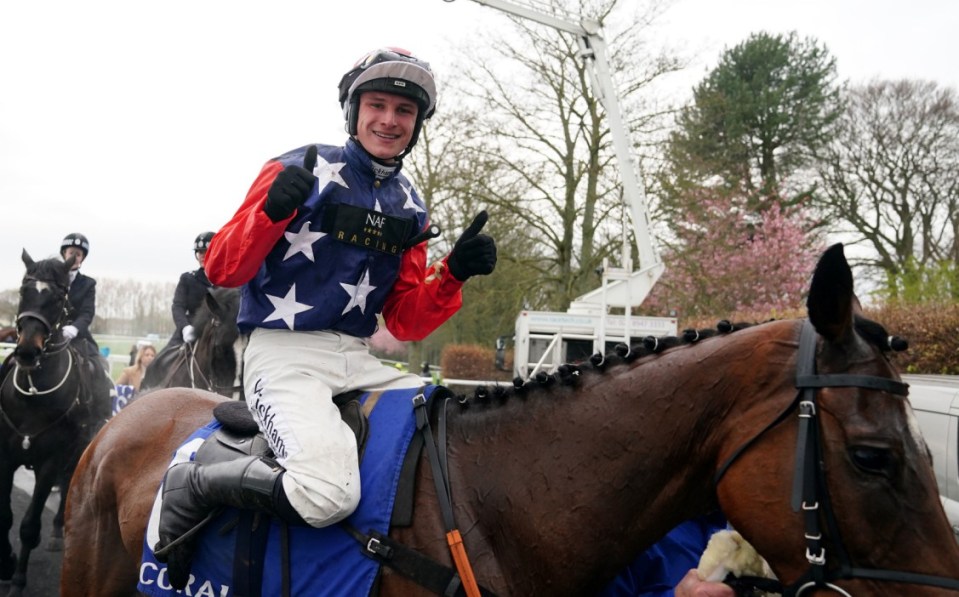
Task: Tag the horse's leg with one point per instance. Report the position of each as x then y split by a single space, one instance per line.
55 542
32 522
8 560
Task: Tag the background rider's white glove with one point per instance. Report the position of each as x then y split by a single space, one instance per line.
189 334
69 332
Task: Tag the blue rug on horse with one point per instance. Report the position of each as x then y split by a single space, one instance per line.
323 562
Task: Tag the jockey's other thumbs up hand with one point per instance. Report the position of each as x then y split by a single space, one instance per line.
474 253
291 187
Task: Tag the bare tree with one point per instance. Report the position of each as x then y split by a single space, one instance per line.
134 307
892 176
537 145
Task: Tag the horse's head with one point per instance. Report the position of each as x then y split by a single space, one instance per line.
43 298
864 513
217 332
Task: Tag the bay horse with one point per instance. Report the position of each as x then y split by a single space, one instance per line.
53 399
211 362
798 430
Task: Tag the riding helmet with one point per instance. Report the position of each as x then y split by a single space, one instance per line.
75 239
202 242
392 70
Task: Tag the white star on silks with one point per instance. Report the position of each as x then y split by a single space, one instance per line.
326 173
286 308
410 204
302 242
358 293
377 207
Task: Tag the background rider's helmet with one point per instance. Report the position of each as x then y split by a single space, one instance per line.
75 239
202 242
392 70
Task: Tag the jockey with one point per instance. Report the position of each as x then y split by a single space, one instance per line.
190 292
81 299
328 238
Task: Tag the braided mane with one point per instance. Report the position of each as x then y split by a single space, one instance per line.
569 374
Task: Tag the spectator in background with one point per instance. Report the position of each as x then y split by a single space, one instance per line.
190 292
133 354
133 375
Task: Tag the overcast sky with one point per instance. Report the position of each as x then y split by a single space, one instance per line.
142 123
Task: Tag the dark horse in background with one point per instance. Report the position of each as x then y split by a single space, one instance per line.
800 431
53 400
210 363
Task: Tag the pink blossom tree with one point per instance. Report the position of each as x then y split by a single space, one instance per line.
729 259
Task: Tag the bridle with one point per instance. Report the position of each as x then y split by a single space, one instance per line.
47 349
49 327
810 493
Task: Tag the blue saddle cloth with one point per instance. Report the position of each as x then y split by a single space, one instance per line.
324 562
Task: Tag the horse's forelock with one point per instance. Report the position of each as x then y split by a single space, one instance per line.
51 270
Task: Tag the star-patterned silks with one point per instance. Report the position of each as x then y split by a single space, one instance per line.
410 204
302 241
327 172
286 308
358 293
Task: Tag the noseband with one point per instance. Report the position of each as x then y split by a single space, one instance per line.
810 492
49 326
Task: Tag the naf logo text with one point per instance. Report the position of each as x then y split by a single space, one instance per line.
369 229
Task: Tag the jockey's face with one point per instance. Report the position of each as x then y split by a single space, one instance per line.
385 123
75 252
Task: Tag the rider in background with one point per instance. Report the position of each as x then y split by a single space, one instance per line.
327 238
82 298
190 291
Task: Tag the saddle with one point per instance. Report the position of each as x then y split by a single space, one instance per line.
253 558
239 435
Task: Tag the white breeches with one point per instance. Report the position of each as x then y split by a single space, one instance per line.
290 379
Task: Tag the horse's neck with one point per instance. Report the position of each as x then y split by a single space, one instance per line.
599 473
212 367
54 365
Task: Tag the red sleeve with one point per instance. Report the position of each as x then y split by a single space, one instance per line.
239 247
422 299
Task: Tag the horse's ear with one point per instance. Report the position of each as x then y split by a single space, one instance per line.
27 260
212 304
831 301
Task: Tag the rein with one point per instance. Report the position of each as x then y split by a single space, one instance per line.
810 493
33 391
25 444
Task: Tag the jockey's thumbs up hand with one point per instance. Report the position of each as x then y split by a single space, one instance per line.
291 187
474 253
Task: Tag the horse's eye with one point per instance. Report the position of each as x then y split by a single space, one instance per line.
871 459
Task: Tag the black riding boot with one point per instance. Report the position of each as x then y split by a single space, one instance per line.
192 491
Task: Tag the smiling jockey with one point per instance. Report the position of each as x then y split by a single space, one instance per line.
328 238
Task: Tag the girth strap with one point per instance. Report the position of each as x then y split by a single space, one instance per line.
421 569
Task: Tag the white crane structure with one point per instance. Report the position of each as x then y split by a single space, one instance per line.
544 340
